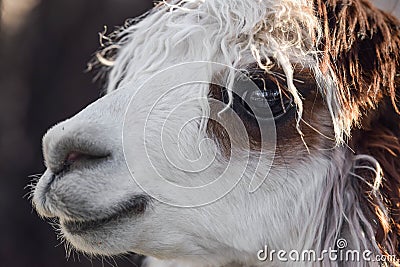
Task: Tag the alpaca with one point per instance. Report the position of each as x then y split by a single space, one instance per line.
232 129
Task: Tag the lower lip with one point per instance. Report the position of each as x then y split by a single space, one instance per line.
82 227
134 207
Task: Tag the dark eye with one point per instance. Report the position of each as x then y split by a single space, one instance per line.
266 100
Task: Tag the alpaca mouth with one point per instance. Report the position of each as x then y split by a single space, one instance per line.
134 207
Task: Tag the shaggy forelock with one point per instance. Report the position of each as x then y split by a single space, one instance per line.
234 33
275 32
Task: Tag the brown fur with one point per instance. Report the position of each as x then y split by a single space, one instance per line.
362 46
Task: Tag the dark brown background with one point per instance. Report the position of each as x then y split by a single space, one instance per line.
43 81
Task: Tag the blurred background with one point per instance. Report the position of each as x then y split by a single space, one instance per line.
44 49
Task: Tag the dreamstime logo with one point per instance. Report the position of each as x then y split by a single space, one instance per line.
167 148
338 253
341 243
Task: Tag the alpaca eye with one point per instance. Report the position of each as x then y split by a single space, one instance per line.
255 101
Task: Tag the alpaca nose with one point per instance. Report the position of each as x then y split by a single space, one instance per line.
75 144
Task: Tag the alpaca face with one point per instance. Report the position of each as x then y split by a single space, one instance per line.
102 182
219 129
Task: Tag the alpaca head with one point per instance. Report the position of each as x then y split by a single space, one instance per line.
231 125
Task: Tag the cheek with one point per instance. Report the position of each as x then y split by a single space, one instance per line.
316 127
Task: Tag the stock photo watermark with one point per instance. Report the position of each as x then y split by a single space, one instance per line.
338 253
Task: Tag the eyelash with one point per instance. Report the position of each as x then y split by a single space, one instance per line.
264 101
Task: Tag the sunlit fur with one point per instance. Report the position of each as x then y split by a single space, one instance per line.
334 191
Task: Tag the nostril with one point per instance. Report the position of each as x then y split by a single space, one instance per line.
70 159
66 155
79 160
73 156
76 147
